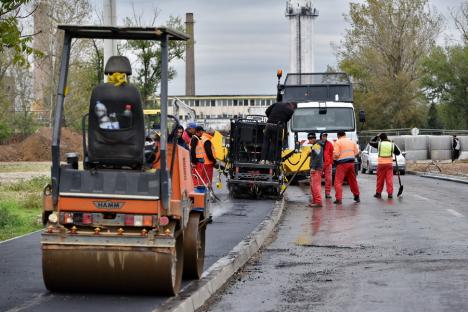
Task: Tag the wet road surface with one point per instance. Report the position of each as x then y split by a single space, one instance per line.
22 288
406 254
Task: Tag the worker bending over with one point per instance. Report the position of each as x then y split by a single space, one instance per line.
386 150
345 152
189 133
277 113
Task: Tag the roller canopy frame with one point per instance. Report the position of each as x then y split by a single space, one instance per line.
162 34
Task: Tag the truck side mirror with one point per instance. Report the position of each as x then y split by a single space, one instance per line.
362 116
297 147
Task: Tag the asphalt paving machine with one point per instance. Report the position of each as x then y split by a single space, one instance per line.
247 176
115 226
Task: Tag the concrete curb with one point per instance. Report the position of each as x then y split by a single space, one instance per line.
198 292
439 177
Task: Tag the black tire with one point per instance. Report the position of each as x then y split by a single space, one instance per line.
194 247
402 172
363 170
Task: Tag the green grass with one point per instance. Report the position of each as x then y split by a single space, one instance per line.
24 166
21 207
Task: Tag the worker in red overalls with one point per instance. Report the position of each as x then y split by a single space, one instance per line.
386 150
197 157
210 154
327 147
316 166
344 153
189 132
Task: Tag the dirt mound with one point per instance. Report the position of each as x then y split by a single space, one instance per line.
37 147
458 168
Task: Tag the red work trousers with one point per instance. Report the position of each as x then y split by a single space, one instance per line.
385 175
209 172
345 171
197 174
327 172
316 186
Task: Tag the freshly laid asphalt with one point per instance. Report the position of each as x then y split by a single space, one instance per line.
405 254
22 288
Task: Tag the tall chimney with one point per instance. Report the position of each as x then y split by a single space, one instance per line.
189 57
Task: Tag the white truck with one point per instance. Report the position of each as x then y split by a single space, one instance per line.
325 104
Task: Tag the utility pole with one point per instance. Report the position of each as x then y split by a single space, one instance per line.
110 19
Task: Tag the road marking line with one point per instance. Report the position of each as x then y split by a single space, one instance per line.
455 213
34 301
421 197
21 236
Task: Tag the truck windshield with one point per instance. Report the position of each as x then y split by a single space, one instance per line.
335 119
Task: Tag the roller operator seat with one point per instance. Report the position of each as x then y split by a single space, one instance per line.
116 133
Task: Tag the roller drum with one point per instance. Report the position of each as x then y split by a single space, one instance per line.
194 247
107 269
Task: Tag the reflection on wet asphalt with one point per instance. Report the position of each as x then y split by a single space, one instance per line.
405 254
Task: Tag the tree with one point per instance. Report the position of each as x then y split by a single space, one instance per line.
433 121
11 36
445 81
460 18
48 15
382 51
148 53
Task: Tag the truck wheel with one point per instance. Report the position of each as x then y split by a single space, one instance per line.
194 247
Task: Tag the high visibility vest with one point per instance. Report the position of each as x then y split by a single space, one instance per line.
344 149
200 149
207 137
385 152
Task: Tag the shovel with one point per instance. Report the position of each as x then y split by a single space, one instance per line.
400 190
292 178
207 185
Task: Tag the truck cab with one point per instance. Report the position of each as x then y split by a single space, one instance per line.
325 104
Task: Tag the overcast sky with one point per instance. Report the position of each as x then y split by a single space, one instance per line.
241 43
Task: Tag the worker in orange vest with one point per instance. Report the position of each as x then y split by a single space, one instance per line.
210 154
197 157
386 150
344 153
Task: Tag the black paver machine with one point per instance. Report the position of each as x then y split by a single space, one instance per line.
248 176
